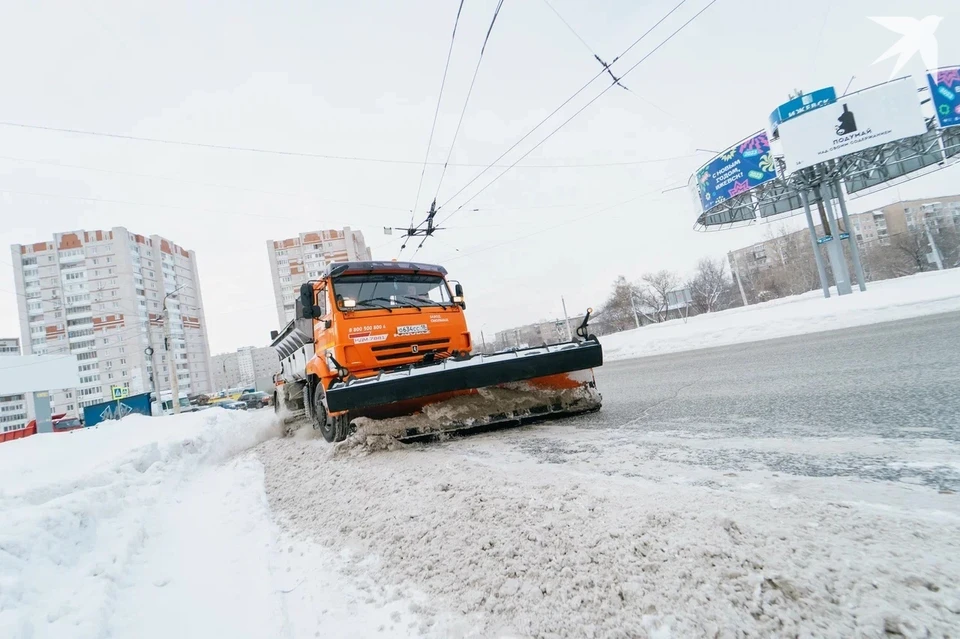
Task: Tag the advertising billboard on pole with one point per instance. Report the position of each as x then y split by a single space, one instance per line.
800 105
856 122
945 89
740 168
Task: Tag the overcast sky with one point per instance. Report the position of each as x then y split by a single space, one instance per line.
361 79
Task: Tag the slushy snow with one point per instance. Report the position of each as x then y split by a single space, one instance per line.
615 546
884 301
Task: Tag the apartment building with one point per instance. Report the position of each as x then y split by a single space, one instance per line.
298 259
871 228
248 366
13 408
100 296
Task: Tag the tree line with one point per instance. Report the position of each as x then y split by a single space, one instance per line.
789 269
662 295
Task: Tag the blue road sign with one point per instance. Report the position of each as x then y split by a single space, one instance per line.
824 239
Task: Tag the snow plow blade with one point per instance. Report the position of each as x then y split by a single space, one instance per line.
451 376
474 393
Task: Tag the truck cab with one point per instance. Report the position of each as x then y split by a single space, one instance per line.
378 315
165 406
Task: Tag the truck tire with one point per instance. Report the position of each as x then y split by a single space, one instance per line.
333 429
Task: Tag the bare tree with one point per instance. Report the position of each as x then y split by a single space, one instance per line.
617 312
913 246
710 287
654 293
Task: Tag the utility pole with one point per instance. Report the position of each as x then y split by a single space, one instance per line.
171 356
483 340
633 307
151 352
933 245
171 361
566 319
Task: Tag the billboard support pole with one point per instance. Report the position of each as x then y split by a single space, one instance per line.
854 248
840 274
816 248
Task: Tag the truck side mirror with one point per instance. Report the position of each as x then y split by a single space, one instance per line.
306 300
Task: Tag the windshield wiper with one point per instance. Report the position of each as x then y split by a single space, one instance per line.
376 299
418 302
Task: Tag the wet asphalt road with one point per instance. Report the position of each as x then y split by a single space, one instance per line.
896 384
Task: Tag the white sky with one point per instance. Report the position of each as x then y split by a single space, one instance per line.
361 78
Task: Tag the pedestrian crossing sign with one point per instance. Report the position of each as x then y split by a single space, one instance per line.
119 392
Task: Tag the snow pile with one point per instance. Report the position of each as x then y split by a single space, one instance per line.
888 300
160 527
531 549
76 509
573 392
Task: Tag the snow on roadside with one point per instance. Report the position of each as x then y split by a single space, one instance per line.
884 301
524 548
76 507
160 527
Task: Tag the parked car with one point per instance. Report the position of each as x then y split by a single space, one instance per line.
238 405
258 399
66 423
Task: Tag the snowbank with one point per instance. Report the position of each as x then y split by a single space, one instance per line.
885 301
159 528
76 507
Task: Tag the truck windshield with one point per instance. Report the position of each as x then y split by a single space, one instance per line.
392 290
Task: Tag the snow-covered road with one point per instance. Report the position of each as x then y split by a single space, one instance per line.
796 487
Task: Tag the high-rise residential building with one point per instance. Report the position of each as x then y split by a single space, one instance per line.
298 259
100 296
13 408
248 366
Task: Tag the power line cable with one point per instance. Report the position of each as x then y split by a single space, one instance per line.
175 207
232 187
600 211
563 104
466 101
567 24
607 66
567 165
436 112
584 107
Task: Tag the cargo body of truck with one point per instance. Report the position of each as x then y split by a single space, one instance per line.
382 340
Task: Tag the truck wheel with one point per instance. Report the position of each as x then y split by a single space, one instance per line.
333 429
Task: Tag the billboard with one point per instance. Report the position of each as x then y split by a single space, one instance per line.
737 170
799 106
29 373
857 122
945 89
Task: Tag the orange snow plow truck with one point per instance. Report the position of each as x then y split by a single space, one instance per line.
388 341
